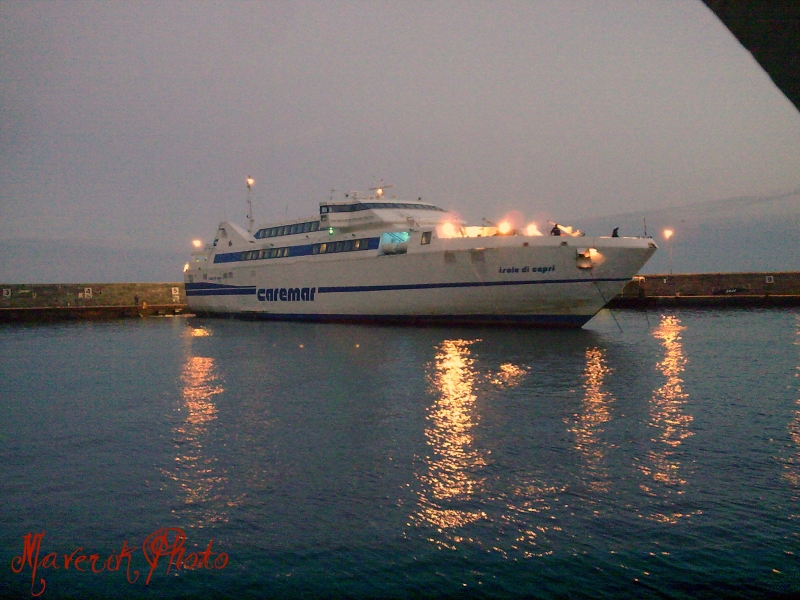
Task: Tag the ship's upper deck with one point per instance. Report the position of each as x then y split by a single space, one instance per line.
374 211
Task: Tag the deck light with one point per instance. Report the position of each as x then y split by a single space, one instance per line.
532 229
448 230
197 243
504 227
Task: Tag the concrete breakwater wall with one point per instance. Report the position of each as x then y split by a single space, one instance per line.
712 289
58 302
67 301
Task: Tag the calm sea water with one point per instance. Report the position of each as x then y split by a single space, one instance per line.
654 458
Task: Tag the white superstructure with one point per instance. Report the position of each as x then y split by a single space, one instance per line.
367 258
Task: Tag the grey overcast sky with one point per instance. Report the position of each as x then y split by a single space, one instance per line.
137 122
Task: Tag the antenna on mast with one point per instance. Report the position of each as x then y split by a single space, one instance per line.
250 181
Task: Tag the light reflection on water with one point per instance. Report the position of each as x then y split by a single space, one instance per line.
453 462
588 425
508 375
668 421
201 478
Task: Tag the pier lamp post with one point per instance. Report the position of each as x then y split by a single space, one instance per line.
250 181
668 235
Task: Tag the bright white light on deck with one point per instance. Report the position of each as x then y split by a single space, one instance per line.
504 227
197 243
531 229
448 230
250 181
668 233
185 267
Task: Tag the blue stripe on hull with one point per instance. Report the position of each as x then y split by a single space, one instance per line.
569 321
217 289
212 289
430 286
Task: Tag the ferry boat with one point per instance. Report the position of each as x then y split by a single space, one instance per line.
368 258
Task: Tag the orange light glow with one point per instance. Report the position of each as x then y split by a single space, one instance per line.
668 233
448 230
197 243
531 229
504 227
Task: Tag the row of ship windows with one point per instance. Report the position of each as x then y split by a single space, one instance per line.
287 230
337 208
304 250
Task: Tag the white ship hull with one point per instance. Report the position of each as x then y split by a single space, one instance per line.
500 279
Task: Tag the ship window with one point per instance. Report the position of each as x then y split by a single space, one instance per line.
323 248
293 229
426 238
356 244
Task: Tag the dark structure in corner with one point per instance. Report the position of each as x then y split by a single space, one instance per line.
770 31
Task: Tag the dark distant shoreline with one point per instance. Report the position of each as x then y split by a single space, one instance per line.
44 302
